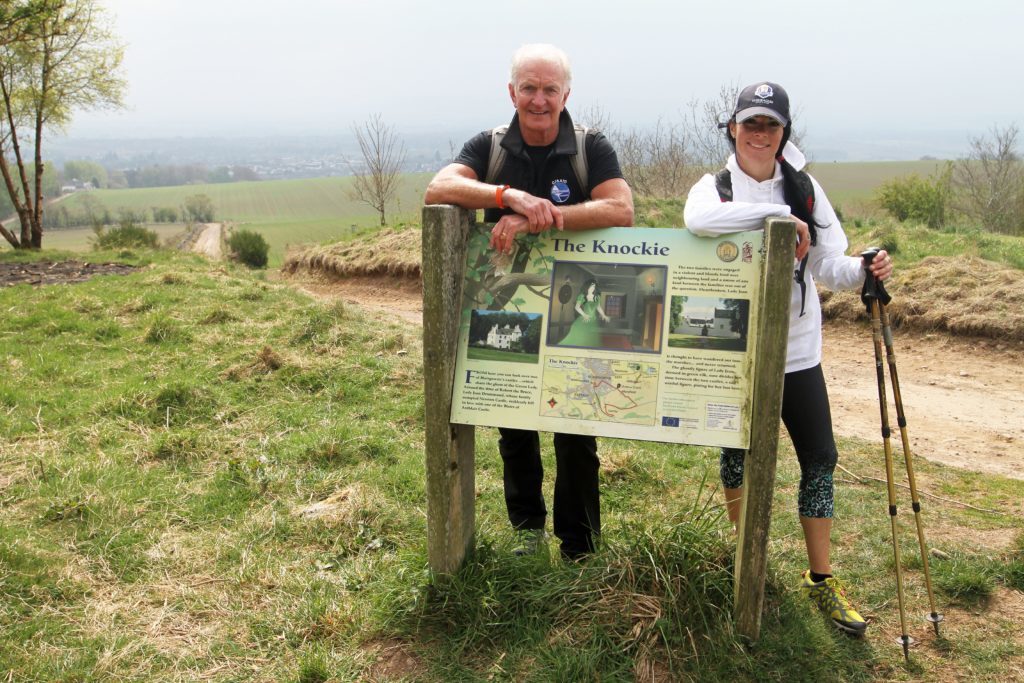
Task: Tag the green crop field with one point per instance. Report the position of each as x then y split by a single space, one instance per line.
290 212
285 212
857 181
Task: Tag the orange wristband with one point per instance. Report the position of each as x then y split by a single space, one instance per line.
498 193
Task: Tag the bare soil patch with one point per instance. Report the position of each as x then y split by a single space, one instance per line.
961 394
59 272
209 242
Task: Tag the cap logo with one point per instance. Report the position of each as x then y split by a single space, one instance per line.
764 90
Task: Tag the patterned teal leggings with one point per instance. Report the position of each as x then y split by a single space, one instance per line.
808 420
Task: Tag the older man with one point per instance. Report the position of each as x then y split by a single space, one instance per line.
528 180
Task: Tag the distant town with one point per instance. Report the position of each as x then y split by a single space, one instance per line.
251 158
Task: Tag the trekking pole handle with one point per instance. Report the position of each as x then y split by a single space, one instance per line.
873 287
870 281
868 255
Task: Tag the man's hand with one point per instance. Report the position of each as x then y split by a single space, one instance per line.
503 234
540 213
803 238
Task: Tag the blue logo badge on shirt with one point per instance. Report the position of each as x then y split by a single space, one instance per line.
559 192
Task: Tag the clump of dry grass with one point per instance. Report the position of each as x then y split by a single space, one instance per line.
966 296
392 251
267 360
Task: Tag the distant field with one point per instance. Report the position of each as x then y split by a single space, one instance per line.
284 211
288 212
78 239
845 182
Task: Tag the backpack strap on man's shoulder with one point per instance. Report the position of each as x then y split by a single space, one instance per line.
579 160
723 183
496 158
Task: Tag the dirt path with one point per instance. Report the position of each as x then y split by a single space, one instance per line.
209 242
962 397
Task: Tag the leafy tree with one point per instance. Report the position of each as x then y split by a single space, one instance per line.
375 181
165 214
86 171
199 208
56 57
740 315
531 338
677 311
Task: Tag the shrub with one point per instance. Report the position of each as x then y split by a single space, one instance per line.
918 199
126 235
249 247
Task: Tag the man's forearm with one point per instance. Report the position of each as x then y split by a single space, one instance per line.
461 191
598 213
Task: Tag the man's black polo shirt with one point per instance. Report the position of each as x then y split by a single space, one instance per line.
543 171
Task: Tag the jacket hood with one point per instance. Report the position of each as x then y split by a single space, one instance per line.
794 156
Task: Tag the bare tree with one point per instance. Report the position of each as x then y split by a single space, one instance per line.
658 161
56 56
594 116
376 180
990 181
709 146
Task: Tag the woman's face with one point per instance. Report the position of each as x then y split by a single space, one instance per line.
591 289
757 140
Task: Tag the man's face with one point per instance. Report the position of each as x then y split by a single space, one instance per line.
539 96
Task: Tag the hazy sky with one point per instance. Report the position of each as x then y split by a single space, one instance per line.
228 67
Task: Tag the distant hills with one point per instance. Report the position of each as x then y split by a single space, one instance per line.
281 157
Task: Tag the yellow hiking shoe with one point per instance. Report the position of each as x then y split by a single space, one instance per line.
830 597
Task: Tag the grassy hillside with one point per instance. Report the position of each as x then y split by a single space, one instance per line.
290 212
283 211
204 476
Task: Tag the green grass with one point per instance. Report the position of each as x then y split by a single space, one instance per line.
477 353
692 341
910 243
165 437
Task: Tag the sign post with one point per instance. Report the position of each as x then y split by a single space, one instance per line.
629 333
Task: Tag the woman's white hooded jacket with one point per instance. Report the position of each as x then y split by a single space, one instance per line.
707 215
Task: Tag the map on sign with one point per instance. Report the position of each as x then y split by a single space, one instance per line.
600 389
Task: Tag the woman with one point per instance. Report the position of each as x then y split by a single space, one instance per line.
585 330
765 180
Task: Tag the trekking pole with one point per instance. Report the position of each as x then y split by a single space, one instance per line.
873 295
890 355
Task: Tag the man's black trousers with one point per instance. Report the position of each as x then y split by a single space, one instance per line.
577 506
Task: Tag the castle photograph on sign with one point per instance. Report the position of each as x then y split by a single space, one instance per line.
607 306
709 323
505 336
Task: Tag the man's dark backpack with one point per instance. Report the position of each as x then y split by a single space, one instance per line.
496 159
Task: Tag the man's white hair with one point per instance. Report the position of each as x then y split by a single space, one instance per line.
540 52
